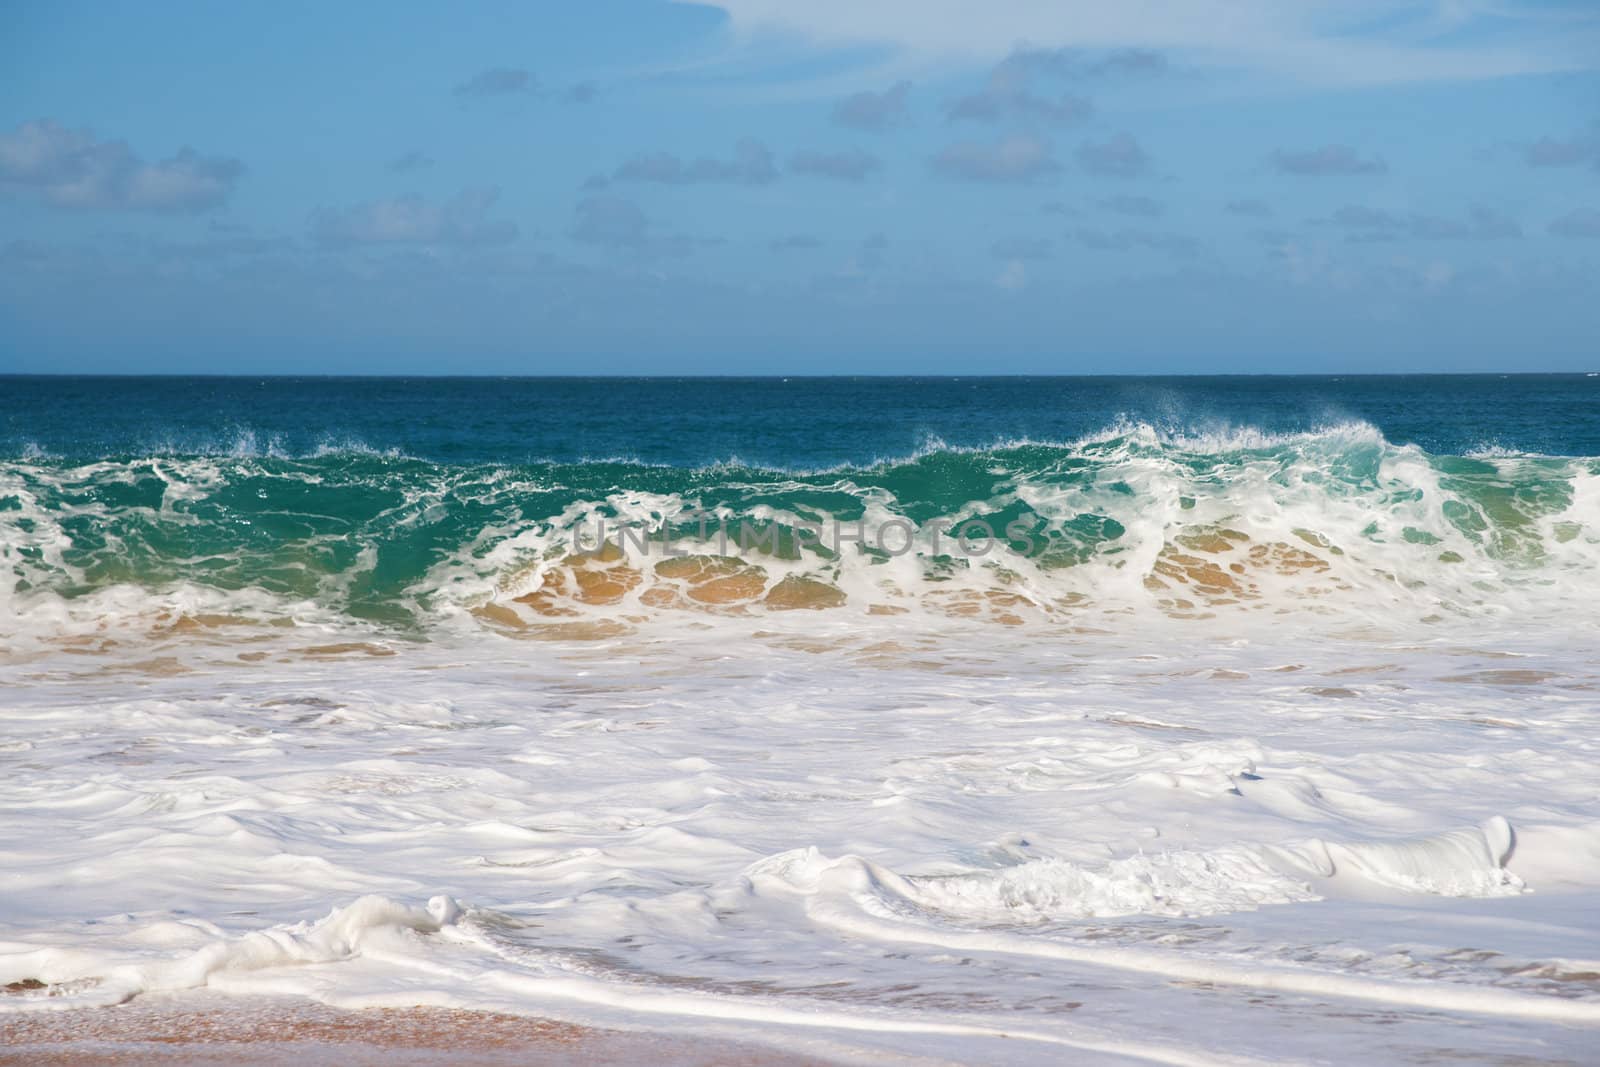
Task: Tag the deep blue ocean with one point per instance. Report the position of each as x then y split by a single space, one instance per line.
766 422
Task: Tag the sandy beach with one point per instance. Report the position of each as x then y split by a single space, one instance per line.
204 1028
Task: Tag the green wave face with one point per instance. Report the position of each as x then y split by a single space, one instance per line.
1339 519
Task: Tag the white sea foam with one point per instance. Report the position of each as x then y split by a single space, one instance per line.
802 838
1302 826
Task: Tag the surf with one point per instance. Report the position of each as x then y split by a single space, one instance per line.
1220 524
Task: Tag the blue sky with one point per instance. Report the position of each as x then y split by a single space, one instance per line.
768 186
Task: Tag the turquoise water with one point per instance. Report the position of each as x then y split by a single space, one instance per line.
393 501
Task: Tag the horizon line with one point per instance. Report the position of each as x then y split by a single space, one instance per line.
275 376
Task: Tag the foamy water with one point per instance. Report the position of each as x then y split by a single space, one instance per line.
1282 751
920 843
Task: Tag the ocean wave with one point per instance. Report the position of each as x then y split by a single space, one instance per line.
1190 524
243 443
1210 437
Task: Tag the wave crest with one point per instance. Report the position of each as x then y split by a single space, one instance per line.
1194 524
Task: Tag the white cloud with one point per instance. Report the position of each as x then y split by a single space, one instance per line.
462 220
1580 150
852 165
1580 223
1019 248
1009 93
874 112
621 226
1367 224
751 164
1335 159
1121 156
1318 41
1014 159
70 168
1013 276
411 161
1128 240
498 81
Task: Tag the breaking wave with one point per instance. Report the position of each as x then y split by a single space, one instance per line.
1338 523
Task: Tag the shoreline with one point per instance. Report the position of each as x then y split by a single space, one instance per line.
204 1028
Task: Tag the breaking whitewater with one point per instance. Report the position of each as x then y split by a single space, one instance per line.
1246 748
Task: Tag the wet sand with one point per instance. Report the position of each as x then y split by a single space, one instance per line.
219 1030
